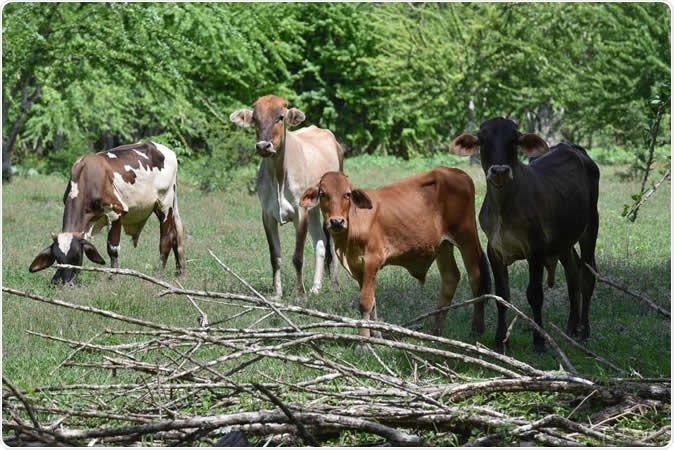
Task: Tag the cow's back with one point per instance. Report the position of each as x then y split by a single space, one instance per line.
416 213
142 176
311 152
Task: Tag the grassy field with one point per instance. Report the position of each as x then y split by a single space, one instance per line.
625 331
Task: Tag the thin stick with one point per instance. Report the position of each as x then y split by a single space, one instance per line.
642 297
308 438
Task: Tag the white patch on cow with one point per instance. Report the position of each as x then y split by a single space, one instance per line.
151 188
141 154
65 241
111 155
74 192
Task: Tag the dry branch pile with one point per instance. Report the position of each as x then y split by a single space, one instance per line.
189 386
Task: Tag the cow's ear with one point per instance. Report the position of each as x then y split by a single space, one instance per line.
242 117
309 198
91 252
464 145
43 260
533 145
294 116
360 199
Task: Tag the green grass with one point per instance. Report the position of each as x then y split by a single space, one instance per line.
624 330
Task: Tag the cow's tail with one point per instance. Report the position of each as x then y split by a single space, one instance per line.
179 228
485 276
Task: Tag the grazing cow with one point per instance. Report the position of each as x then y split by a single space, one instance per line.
291 162
537 212
410 223
120 187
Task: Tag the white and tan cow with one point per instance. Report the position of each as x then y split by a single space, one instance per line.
291 162
119 188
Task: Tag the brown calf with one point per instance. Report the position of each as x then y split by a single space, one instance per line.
410 223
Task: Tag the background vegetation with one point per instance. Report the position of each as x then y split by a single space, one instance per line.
389 78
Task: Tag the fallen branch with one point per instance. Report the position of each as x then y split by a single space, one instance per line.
641 297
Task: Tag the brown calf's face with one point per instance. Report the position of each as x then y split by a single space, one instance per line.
335 196
270 115
66 248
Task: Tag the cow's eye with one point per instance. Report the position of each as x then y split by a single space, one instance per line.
280 118
321 194
347 195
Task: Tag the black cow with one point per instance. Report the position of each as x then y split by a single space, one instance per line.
537 212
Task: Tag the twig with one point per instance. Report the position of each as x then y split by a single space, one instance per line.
203 318
308 438
587 351
642 297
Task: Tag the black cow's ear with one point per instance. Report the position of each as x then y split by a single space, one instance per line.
91 252
360 199
464 145
242 117
43 260
309 198
533 145
294 116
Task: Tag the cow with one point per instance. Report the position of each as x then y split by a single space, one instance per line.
291 162
409 223
538 212
119 188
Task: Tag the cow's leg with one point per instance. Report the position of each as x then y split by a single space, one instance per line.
587 280
502 289
449 279
114 236
477 267
368 283
271 231
331 258
535 295
171 238
570 261
319 241
301 225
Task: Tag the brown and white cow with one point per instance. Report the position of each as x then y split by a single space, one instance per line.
537 212
291 162
410 223
119 188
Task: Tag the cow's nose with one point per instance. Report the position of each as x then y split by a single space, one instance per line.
500 171
337 223
264 148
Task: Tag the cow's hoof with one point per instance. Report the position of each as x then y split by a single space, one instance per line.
315 290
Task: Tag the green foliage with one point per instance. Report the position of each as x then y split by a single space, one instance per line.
387 78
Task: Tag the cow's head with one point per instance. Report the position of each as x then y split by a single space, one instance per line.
498 140
270 114
66 248
335 196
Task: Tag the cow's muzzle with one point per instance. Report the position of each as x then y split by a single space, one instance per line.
499 175
64 277
336 224
265 149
